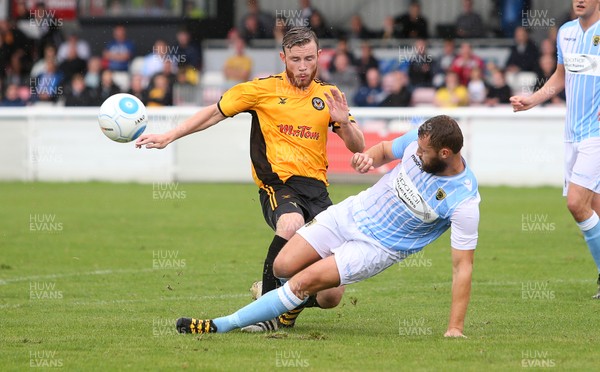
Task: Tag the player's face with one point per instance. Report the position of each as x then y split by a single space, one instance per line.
301 63
585 8
431 160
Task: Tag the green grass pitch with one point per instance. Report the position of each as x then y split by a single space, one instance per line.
93 276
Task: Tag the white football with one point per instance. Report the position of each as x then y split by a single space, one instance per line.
122 117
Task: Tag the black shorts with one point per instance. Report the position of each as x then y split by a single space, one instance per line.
303 195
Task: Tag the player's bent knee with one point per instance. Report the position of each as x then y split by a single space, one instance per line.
330 298
288 223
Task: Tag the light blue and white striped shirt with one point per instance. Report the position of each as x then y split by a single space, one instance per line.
579 52
409 208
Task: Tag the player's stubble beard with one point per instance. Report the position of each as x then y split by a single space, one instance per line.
295 83
435 166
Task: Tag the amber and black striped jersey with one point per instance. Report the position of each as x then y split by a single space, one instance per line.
289 127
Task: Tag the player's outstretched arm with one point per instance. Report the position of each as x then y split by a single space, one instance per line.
349 132
553 86
374 157
462 269
205 118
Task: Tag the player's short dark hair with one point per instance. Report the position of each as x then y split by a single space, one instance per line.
443 132
298 36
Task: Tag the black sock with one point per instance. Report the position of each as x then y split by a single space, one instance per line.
269 281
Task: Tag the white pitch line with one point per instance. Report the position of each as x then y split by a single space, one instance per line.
58 276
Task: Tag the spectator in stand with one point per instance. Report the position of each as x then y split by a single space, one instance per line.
370 94
342 48
524 55
137 87
366 61
186 53
120 51
389 33
154 62
11 97
306 11
16 72
395 90
262 25
344 76
357 30
499 92
319 26
106 88
465 62
453 93
40 66
77 93
94 70
412 24
48 85
279 30
40 26
476 88
469 23
443 63
72 64
11 40
160 92
511 14
237 68
420 70
548 47
546 68
82 48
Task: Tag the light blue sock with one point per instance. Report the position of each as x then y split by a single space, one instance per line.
267 307
591 233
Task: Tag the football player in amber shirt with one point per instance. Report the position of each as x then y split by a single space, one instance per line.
291 116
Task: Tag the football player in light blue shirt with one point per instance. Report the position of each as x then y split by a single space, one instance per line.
430 191
578 72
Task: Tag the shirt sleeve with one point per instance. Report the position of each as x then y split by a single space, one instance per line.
400 144
559 54
464 224
239 98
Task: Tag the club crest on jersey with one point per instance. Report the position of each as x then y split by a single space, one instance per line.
596 40
440 194
318 103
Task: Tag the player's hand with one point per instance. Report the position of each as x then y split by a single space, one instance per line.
152 141
454 332
338 107
520 103
362 162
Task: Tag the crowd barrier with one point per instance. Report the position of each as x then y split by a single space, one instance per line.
66 144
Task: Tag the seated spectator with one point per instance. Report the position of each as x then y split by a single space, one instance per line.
547 66
344 76
370 94
106 88
547 46
420 70
412 24
443 63
465 62
72 64
499 92
389 33
77 94
306 11
82 48
395 90
48 85
476 87
187 54
40 66
160 92
318 25
120 51
94 69
237 68
11 97
469 23
264 22
366 61
357 30
252 30
524 55
137 87
452 93
342 47
154 62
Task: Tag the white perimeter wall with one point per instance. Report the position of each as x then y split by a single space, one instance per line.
65 144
